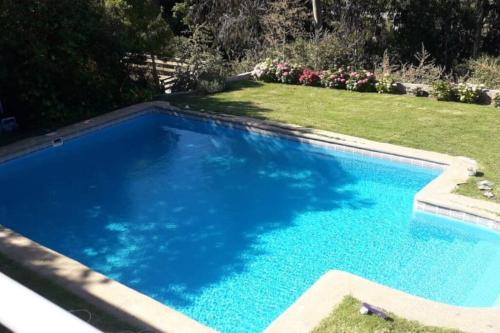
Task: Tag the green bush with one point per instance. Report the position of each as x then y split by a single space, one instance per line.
363 81
211 86
469 93
334 78
286 73
424 71
266 71
386 85
200 67
329 50
65 60
496 101
444 91
485 70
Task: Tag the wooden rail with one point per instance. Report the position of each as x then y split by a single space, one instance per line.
164 70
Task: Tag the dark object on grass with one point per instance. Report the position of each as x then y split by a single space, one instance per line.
370 309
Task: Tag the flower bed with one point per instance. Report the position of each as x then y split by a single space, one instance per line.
363 81
310 78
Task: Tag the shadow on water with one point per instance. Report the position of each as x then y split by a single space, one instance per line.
171 213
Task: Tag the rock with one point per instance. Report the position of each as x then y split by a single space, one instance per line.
485 183
484 188
471 171
489 195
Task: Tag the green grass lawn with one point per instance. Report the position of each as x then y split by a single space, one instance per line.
346 318
446 127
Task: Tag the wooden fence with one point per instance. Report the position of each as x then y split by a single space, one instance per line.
163 70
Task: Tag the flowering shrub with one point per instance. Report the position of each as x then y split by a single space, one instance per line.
444 91
361 81
286 73
386 85
496 101
310 78
265 71
334 79
469 93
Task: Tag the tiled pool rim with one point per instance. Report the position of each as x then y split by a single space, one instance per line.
138 309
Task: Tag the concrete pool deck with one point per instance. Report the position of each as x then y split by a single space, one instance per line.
319 300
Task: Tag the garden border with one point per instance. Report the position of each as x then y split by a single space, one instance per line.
143 311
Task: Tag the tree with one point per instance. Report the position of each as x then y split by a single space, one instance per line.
63 60
284 20
146 27
234 25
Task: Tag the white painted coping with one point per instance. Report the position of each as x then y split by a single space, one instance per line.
23 311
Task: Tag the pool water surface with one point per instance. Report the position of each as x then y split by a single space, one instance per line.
230 227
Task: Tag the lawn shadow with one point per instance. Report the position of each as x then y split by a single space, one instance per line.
210 102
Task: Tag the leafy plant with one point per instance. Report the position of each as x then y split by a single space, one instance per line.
200 67
310 78
485 70
386 85
444 91
70 62
363 81
426 71
496 100
339 48
266 71
334 79
286 73
211 86
469 93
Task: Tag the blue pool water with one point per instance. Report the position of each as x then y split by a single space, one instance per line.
231 227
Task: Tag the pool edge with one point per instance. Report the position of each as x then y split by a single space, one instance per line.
437 197
307 312
134 307
107 294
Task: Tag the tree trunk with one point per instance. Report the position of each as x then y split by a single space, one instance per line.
317 15
156 78
479 27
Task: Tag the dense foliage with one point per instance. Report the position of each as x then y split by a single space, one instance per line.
64 60
355 30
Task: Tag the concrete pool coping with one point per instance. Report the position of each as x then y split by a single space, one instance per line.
329 291
141 310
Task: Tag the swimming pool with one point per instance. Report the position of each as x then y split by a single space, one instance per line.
230 227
